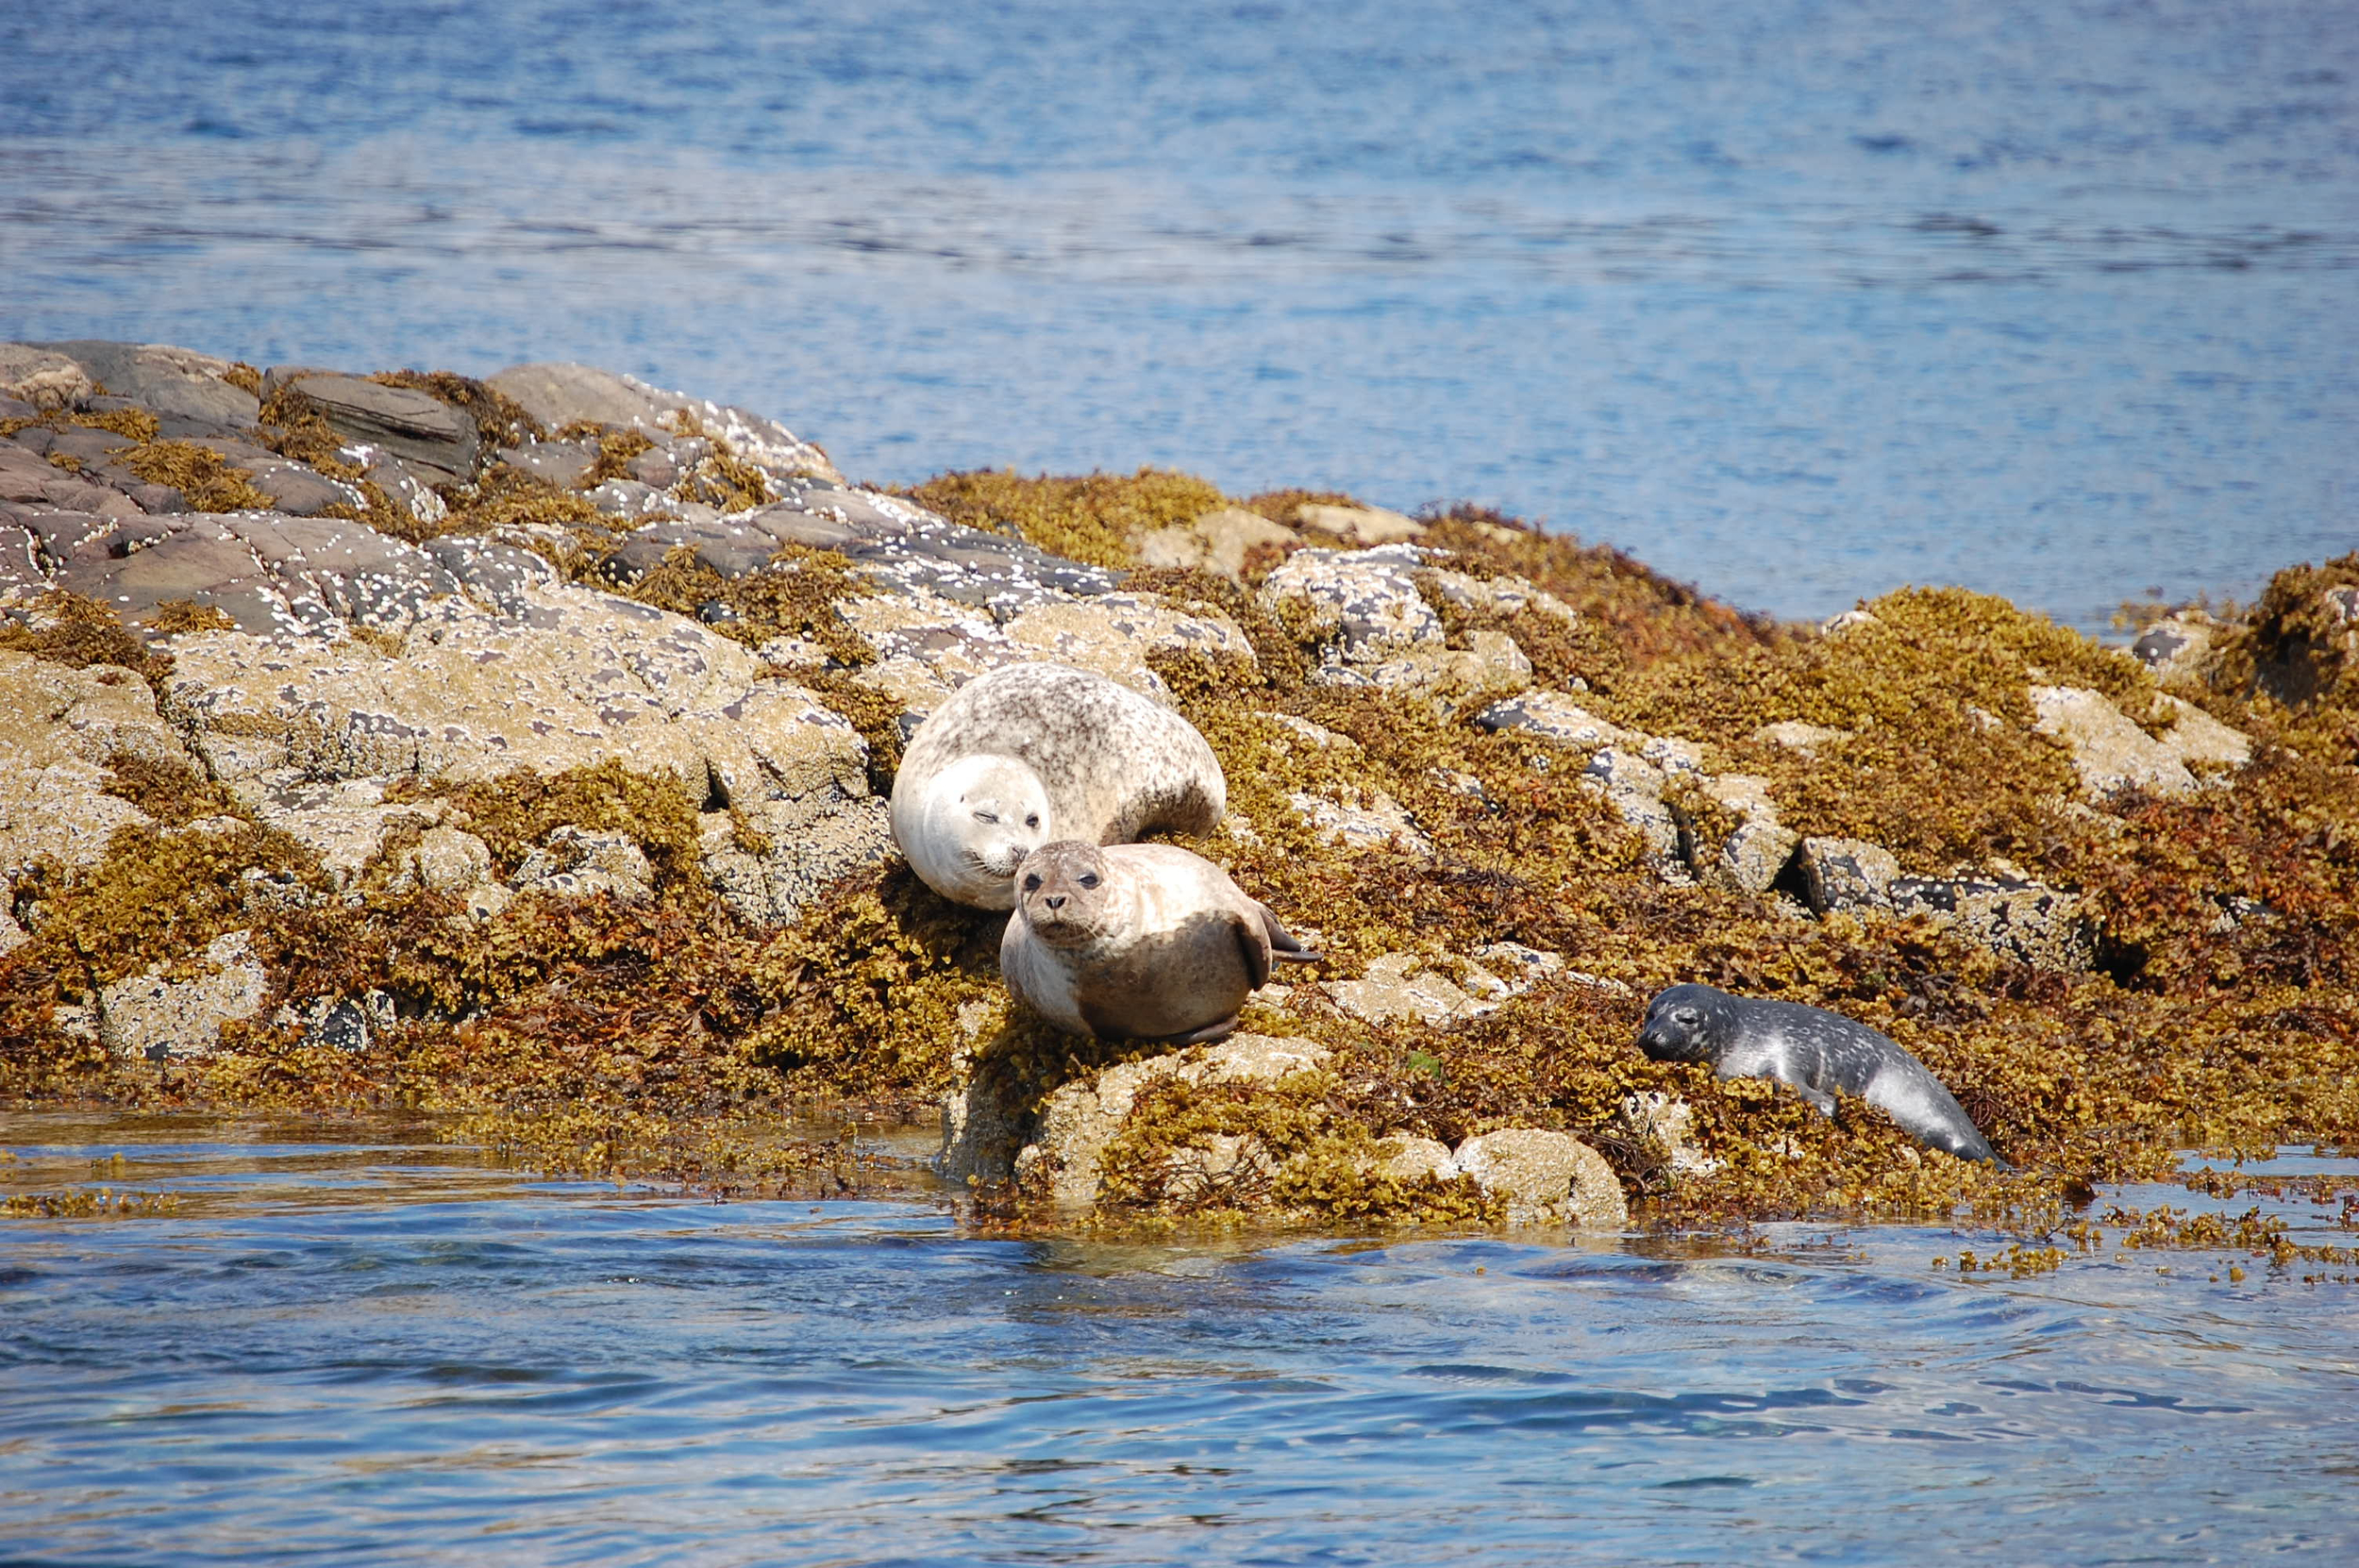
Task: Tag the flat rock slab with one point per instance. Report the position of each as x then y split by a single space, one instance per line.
430 434
558 394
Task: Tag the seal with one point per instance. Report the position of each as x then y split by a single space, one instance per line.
1029 753
1138 942
1816 1052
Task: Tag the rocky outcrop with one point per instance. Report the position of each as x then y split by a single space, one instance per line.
2110 752
176 1011
1545 1178
2019 919
1540 1178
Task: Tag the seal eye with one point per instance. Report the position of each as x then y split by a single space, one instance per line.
1088 878
1032 884
987 816
1686 1015
1032 821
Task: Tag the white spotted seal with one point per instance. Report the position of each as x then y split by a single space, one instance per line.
1816 1052
1029 753
1138 942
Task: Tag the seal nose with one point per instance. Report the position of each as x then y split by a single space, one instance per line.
1055 901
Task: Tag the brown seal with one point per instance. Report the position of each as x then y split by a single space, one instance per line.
1138 942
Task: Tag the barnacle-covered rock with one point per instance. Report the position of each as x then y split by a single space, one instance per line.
2112 753
176 1009
60 731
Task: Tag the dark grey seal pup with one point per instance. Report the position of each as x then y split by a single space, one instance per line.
1816 1052
1138 942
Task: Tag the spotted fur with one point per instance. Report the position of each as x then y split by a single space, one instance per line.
1816 1052
1090 758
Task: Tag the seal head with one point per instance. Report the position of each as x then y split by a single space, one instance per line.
975 827
1064 898
1816 1052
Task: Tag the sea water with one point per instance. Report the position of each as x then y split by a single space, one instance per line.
306 1343
1800 300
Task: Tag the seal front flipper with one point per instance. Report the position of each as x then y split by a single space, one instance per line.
1209 1034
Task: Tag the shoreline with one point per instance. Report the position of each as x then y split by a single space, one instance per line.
514 749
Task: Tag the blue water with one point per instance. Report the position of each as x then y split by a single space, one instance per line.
359 1348
1801 301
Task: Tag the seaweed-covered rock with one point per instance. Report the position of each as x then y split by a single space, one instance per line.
1078 1122
177 1010
1547 1179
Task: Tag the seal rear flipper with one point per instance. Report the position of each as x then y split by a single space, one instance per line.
1283 944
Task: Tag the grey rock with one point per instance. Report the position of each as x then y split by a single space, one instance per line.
173 383
434 440
299 491
41 380
655 467
627 498
560 395
562 463
158 500
277 376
